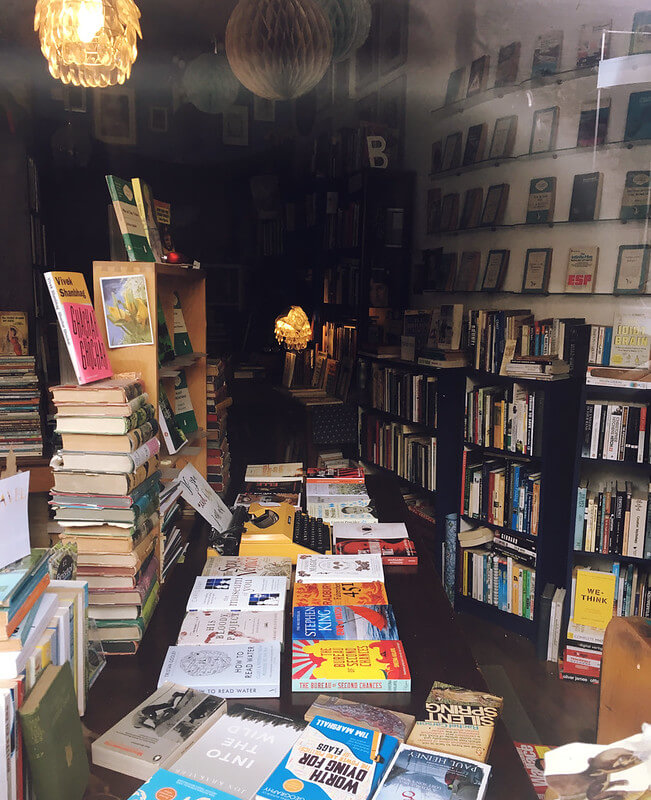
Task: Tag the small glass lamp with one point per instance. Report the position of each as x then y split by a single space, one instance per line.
293 329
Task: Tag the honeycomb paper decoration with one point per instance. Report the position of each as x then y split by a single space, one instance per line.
350 21
279 49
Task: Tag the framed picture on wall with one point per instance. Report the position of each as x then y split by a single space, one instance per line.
537 267
497 263
74 99
115 115
158 119
632 269
392 44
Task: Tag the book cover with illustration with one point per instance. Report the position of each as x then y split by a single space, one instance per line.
214 593
330 761
354 623
238 753
341 709
230 670
338 569
131 224
78 323
249 565
166 784
351 509
157 731
425 775
216 627
184 414
340 594
631 342
344 666
14 333
173 436
126 310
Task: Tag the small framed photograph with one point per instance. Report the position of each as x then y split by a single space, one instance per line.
503 139
392 41
74 99
495 205
158 119
236 126
456 82
115 115
537 267
632 269
264 110
543 130
497 264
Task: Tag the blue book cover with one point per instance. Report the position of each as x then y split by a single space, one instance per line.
638 116
579 520
360 623
169 785
608 340
331 761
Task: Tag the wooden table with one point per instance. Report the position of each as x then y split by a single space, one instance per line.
435 647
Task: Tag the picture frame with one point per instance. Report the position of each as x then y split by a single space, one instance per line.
114 117
393 35
503 140
158 119
235 126
263 110
466 278
497 263
632 269
454 89
75 99
543 130
537 268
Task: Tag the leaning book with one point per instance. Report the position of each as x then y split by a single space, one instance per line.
230 670
425 775
157 731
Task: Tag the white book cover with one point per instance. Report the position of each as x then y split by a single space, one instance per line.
217 627
259 473
339 569
157 731
350 510
12 662
230 670
240 750
378 530
267 566
636 527
215 593
336 490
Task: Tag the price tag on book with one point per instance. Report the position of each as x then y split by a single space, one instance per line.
14 520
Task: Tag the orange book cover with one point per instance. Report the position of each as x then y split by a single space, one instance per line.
340 594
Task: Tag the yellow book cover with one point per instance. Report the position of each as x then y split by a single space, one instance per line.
349 666
14 333
340 594
594 598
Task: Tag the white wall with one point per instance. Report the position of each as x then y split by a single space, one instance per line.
446 34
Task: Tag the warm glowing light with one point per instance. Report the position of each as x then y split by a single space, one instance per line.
293 329
89 42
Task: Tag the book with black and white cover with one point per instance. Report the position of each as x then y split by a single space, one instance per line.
348 510
157 731
228 593
230 670
339 569
266 566
218 627
363 530
337 490
240 750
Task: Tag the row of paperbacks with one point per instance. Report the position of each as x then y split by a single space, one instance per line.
280 530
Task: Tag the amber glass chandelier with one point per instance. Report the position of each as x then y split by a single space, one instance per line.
293 329
89 42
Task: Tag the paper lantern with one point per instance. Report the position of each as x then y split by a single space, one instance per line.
293 329
210 84
88 42
350 21
279 49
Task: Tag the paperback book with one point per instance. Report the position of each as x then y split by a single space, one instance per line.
164 784
354 623
217 627
340 594
214 593
129 219
339 569
249 565
391 723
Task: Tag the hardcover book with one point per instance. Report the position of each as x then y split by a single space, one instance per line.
423 775
230 670
542 197
157 731
547 54
338 569
237 754
182 343
475 144
78 324
581 270
164 784
586 197
635 199
588 53
349 666
131 225
391 723
237 593
508 61
331 761
591 132
638 115
340 594
249 565
217 627
354 623
478 79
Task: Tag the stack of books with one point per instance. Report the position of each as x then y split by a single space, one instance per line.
20 397
218 401
106 500
344 631
232 634
338 495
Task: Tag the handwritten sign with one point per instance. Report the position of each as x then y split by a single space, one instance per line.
198 492
14 519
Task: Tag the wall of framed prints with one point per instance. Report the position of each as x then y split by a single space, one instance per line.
524 186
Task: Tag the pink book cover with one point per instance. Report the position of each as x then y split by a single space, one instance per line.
78 324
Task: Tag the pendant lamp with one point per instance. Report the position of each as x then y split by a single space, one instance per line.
210 84
89 42
279 49
293 329
350 21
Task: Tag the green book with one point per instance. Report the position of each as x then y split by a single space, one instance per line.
165 346
635 200
53 738
540 206
183 408
182 343
173 436
131 227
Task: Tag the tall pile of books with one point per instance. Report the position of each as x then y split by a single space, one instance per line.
218 473
20 397
106 500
